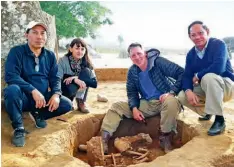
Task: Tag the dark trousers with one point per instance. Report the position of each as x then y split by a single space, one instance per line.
16 101
70 90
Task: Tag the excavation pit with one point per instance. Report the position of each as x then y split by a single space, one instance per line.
130 127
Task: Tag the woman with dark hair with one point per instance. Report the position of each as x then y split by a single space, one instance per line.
77 73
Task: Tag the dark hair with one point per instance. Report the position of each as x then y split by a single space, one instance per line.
28 30
133 45
197 22
86 62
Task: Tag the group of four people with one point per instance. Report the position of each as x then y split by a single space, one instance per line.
155 85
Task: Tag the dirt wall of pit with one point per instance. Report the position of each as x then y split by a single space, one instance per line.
111 74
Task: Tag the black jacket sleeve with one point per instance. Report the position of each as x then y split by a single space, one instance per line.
171 70
132 93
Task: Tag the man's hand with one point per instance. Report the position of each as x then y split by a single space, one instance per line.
80 83
195 80
192 98
69 80
163 97
137 114
38 98
53 103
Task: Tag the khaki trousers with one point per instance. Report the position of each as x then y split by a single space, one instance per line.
212 92
168 110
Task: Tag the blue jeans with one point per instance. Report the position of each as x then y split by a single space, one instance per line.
16 101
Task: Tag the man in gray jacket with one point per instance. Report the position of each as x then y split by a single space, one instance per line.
152 84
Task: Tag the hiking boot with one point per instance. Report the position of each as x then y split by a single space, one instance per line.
105 138
81 106
18 138
39 121
165 142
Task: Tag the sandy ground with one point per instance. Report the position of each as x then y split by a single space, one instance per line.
44 147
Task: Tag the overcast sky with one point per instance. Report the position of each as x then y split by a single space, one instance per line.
164 24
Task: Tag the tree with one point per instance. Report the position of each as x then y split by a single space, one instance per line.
230 45
230 42
120 39
77 18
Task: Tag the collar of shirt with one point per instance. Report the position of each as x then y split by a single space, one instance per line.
201 53
30 53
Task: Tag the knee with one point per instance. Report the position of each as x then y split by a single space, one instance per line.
115 105
182 97
70 90
171 101
85 73
66 104
208 78
120 108
12 91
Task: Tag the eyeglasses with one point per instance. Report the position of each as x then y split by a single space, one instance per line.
37 64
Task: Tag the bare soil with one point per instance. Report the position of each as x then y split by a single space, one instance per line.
58 142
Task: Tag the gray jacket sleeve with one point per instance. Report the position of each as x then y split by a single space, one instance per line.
60 69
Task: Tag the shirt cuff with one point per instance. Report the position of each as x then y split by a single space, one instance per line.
58 93
196 75
172 93
187 90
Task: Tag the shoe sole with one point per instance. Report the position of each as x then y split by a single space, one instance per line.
83 111
18 146
218 133
204 119
35 121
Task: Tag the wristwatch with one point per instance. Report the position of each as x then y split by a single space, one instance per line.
172 93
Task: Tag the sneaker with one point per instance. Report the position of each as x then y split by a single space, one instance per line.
18 138
39 121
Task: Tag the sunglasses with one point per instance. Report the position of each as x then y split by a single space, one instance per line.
37 64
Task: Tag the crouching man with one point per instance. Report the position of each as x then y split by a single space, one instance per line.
30 71
152 84
208 78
